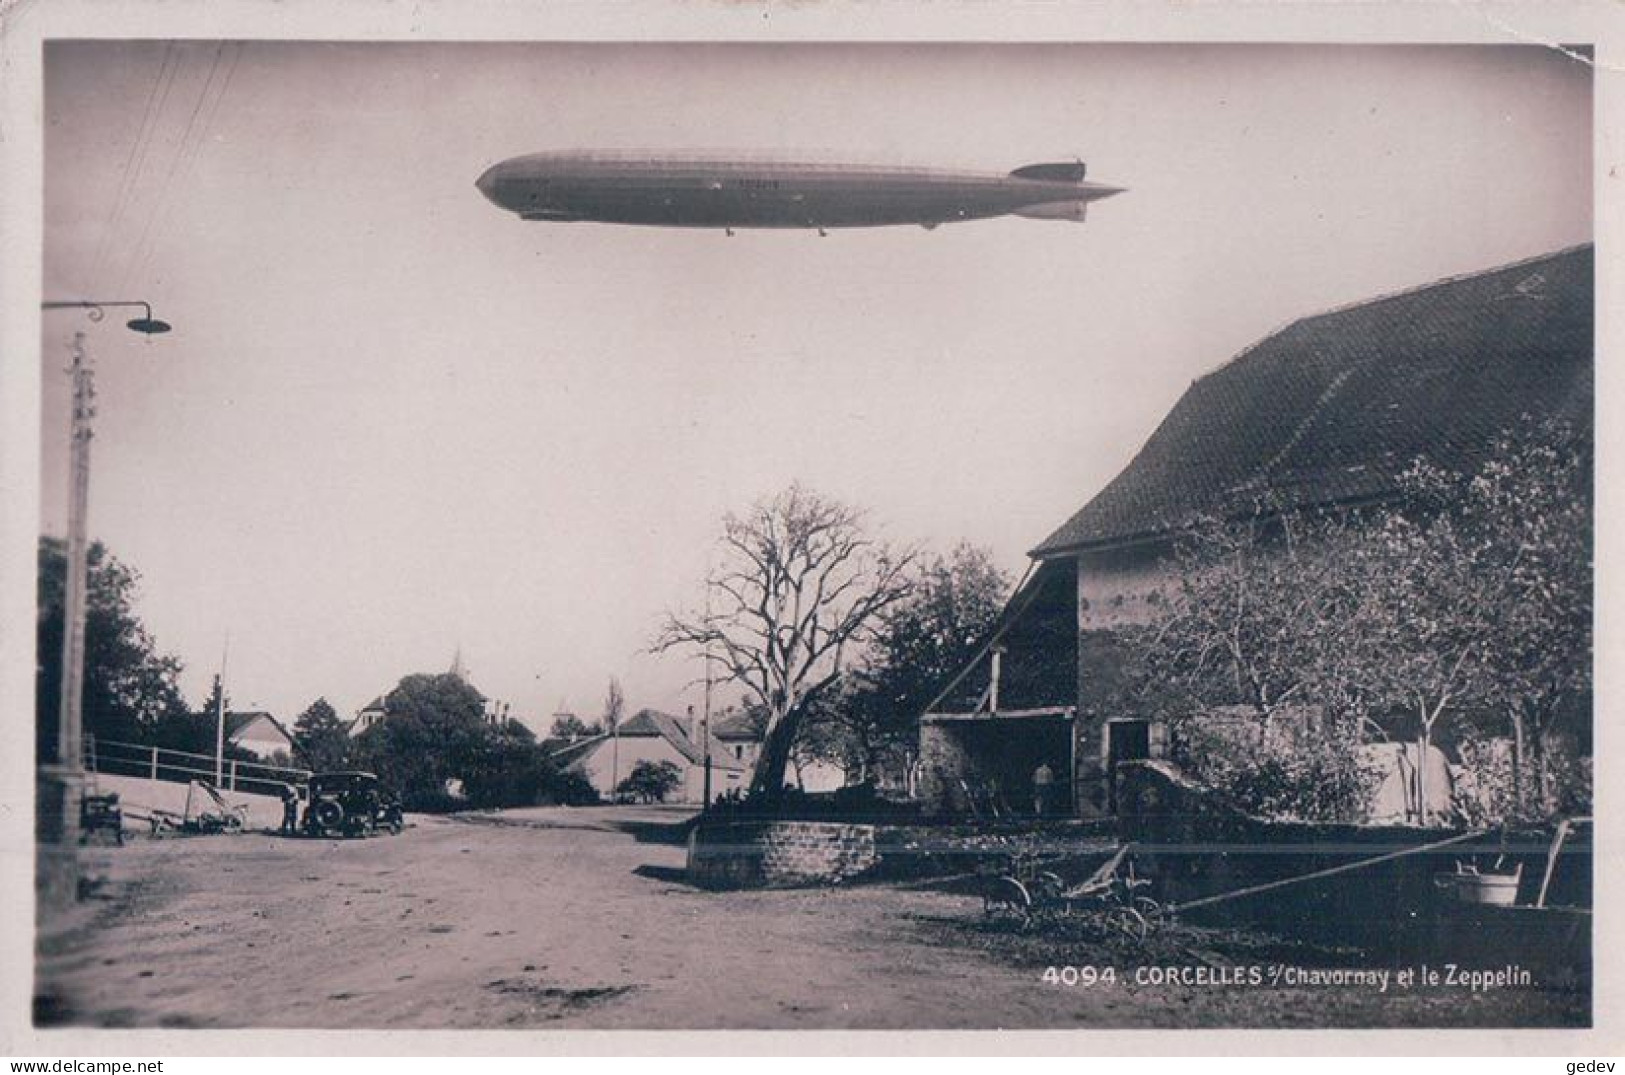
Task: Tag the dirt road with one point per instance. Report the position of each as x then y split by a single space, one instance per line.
580 918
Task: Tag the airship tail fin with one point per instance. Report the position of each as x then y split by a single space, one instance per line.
1059 172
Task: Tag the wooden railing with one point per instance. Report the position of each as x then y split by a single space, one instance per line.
183 767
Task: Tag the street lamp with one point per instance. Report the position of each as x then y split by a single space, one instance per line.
62 783
148 325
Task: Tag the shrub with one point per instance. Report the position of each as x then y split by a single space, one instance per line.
570 789
1308 770
651 781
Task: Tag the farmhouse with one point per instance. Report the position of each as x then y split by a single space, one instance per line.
653 736
1328 411
258 733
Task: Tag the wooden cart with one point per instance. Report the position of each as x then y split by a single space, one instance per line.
1112 898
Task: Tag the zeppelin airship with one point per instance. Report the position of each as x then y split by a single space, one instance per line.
732 191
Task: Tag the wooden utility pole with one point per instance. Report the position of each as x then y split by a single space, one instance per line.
61 786
705 731
220 714
70 730
705 719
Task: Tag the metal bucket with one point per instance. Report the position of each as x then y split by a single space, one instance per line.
1489 889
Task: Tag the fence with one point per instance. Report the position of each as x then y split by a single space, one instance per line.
183 767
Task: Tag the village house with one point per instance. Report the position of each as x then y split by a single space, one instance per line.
739 734
368 716
652 736
1327 412
373 712
258 733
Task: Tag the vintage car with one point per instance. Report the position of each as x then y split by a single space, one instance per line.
350 804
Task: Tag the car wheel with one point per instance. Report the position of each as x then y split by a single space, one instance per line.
329 817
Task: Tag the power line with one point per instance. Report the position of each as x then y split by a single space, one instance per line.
136 159
192 138
139 255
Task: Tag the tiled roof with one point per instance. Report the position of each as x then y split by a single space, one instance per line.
647 722
574 754
566 754
652 722
236 723
738 728
1334 407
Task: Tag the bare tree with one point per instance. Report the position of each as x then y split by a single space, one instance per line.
800 584
614 708
614 705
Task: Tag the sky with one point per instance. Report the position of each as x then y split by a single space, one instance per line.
394 422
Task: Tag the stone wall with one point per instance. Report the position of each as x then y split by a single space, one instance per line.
779 854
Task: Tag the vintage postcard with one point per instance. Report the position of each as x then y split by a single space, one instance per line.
781 520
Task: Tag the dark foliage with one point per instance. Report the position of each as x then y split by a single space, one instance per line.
434 738
651 781
130 692
321 741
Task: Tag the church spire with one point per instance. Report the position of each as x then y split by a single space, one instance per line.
458 669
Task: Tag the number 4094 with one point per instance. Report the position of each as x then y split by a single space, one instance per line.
1084 975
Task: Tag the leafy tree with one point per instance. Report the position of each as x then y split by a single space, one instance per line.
1417 638
1465 594
800 585
1255 622
321 741
129 687
434 733
1256 603
570 726
1482 599
825 736
517 729
651 781
1530 511
505 768
919 643
432 730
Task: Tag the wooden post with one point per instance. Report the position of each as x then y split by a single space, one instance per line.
155 763
233 784
1558 839
1072 761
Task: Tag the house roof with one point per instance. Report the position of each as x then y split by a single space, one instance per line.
1333 408
737 727
237 723
647 723
566 754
